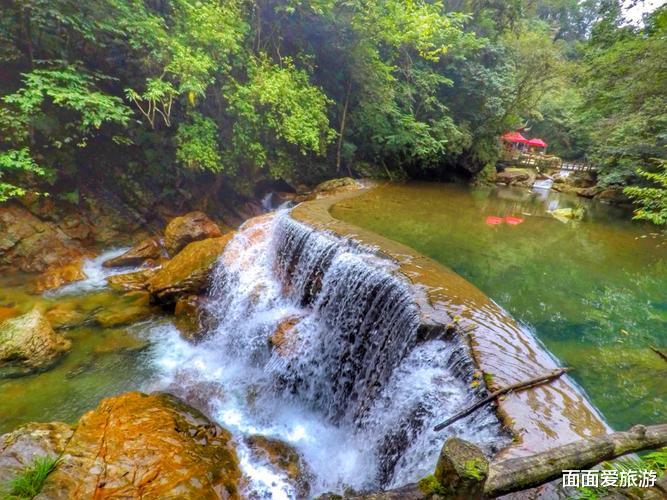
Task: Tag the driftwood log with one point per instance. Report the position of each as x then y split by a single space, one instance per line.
659 353
520 386
518 474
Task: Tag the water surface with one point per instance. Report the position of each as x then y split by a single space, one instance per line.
594 291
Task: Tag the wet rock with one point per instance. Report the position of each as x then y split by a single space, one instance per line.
253 231
284 341
200 394
337 186
120 341
8 312
32 245
566 214
19 448
188 272
147 251
145 446
62 316
190 227
516 177
57 276
588 192
130 308
613 196
127 282
192 318
461 470
28 343
284 458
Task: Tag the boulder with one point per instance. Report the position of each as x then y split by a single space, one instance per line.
57 276
188 272
61 316
337 186
588 192
192 318
565 214
284 340
7 312
284 458
145 446
461 470
127 282
31 245
193 226
516 177
19 448
130 308
28 343
147 251
613 196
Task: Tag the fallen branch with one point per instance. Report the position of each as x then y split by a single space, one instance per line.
659 353
516 474
491 397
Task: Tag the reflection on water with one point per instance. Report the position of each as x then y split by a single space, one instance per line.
593 291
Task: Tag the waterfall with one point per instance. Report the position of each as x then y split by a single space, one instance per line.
348 382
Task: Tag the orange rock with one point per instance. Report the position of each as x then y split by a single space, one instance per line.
284 339
146 446
57 276
149 250
191 317
189 271
127 282
283 457
8 312
193 226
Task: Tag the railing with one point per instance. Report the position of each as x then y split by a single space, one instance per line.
544 162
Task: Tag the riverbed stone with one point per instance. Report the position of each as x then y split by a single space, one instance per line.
57 276
129 308
19 448
284 458
137 280
28 343
284 340
146 446
63 316
192 318
188 273
193 226
147 251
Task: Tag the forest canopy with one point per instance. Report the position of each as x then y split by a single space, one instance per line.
303 90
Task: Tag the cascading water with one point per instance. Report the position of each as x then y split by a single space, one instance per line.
347 382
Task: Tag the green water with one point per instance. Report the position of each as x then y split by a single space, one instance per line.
101 363
594 292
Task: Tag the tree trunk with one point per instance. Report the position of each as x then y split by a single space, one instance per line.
342 125
518 474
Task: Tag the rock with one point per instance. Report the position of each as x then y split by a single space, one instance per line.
201 394
581 179
340 185
31 245
19 448
145 446
149 250
61 316
461 470
120 341
613 196
127 282
8 312
188 272
516 177
29 343
130 308
284 340
57 276
253 230
589 192
193 226
565 214
192 318
284 458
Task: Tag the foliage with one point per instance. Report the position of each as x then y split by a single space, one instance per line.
651 462
300 90
28 483
16 160
652 201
